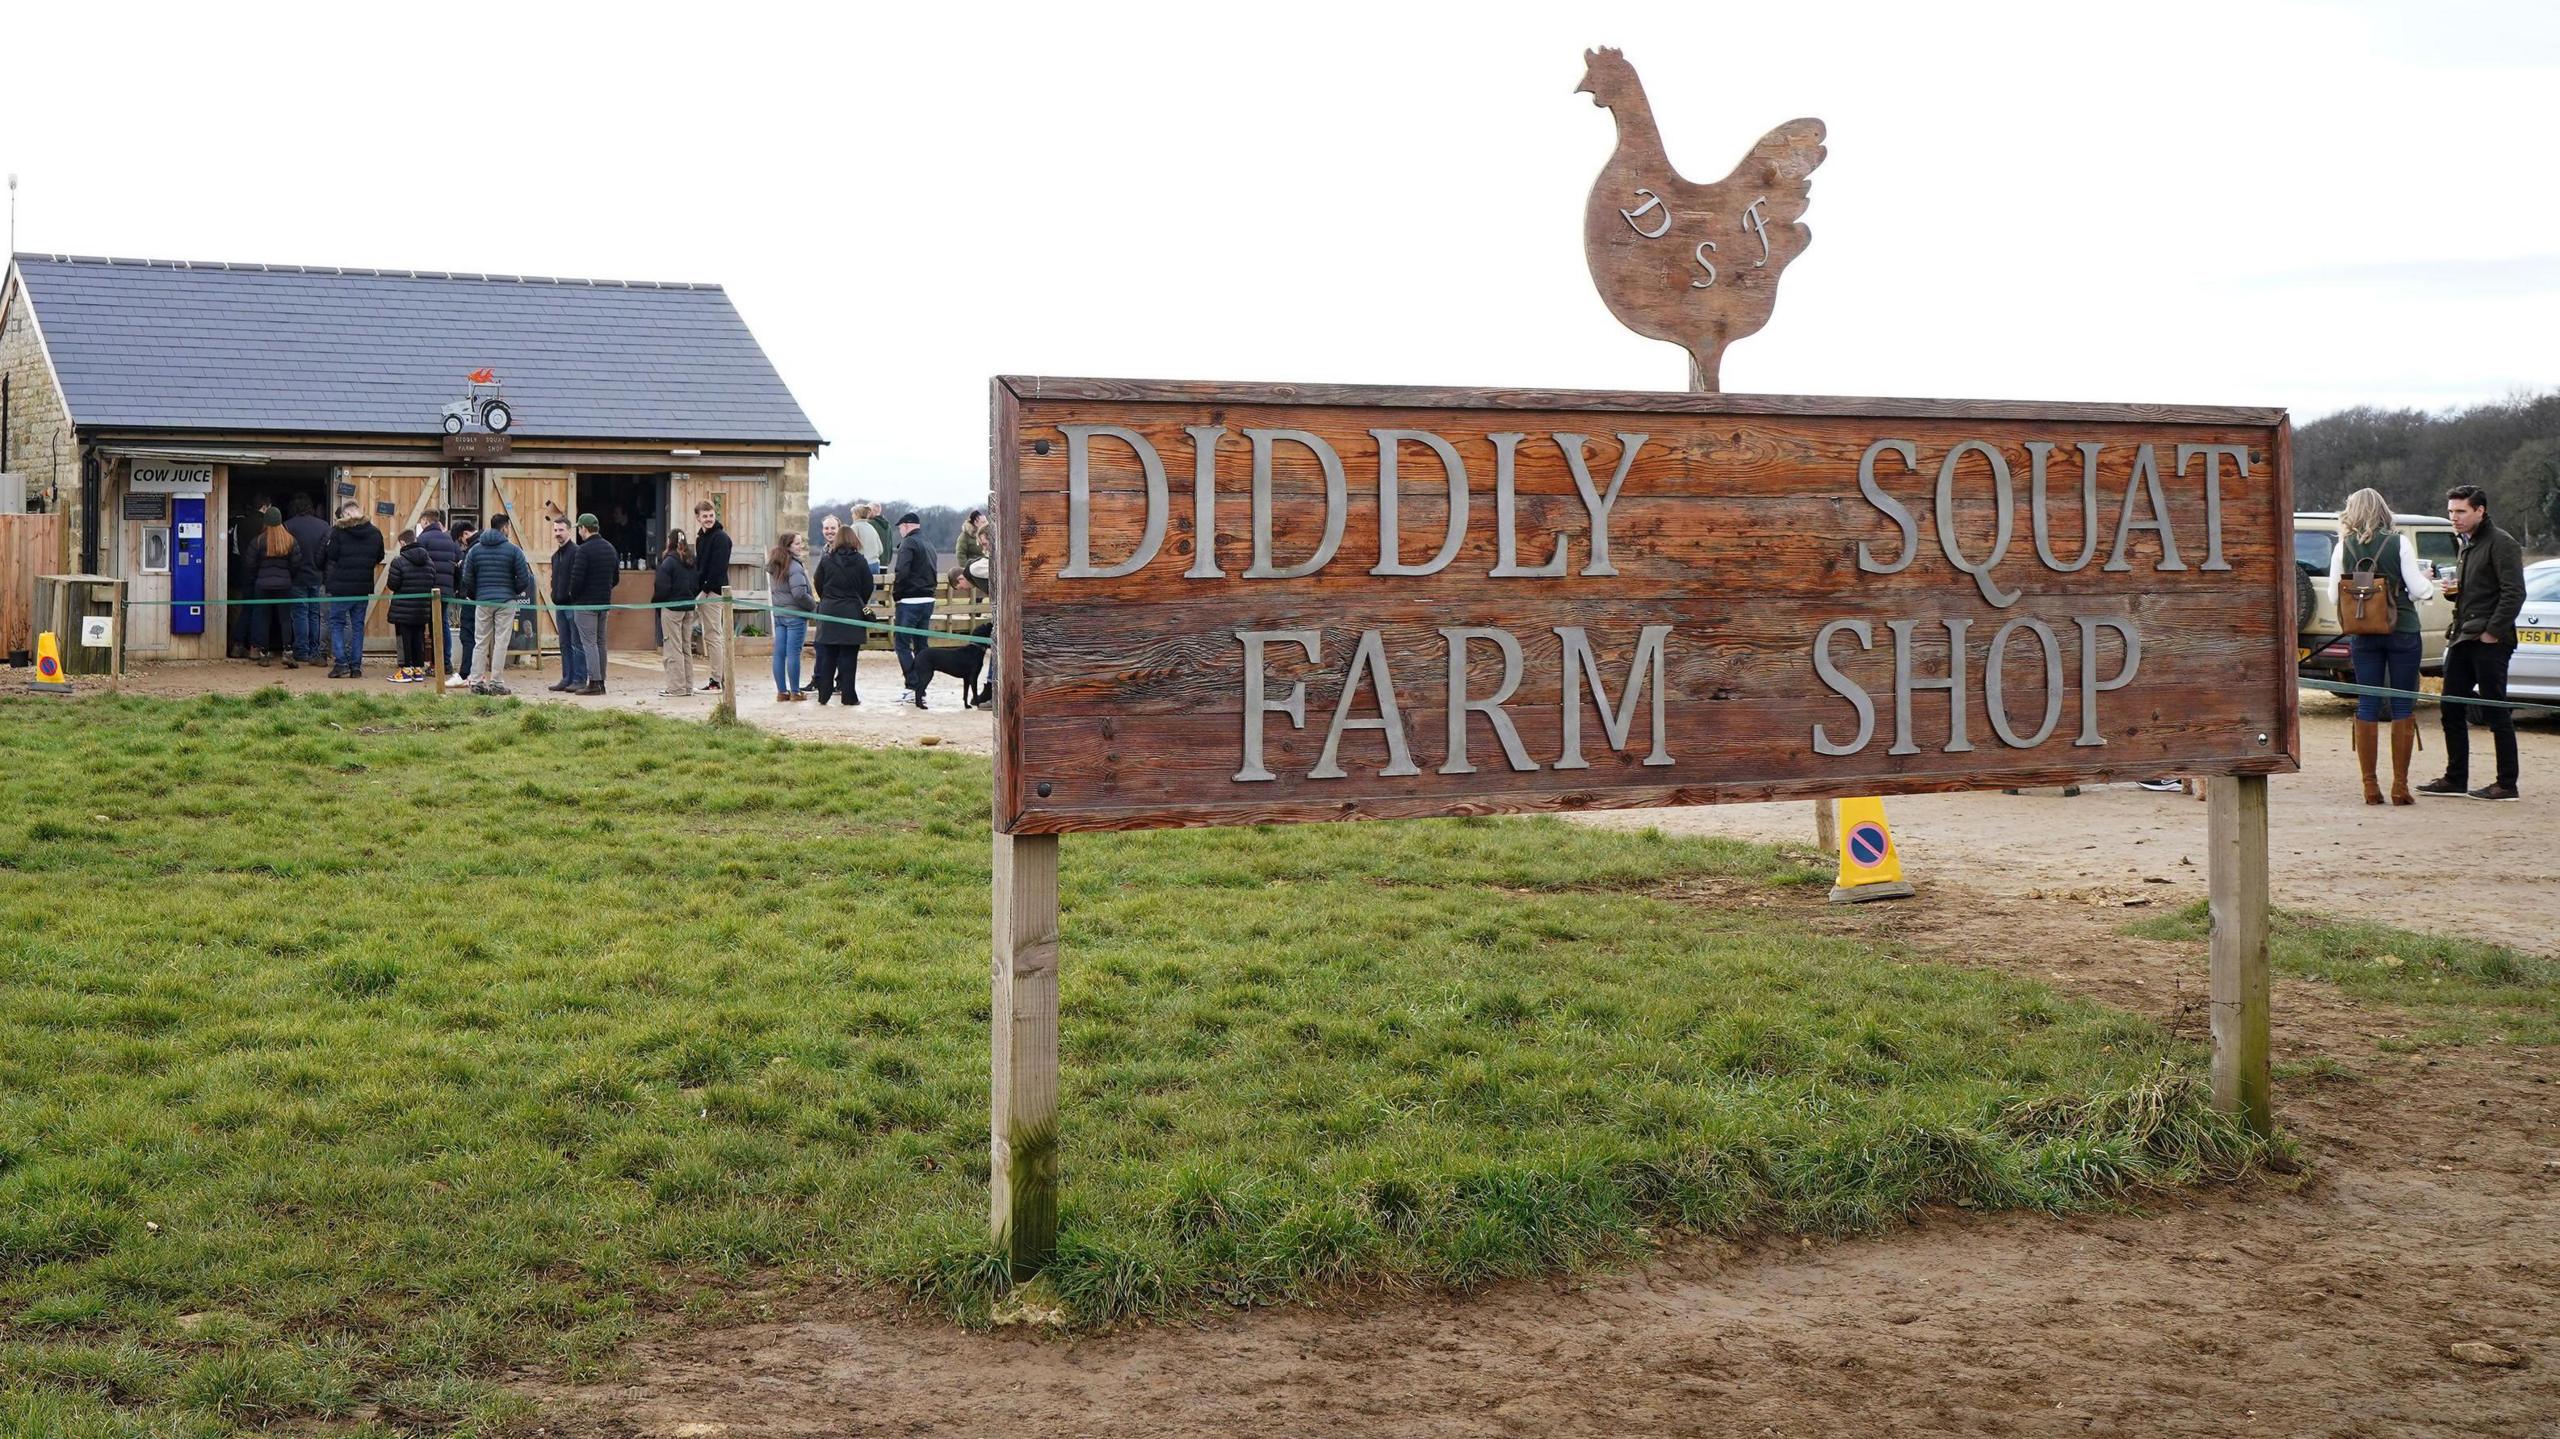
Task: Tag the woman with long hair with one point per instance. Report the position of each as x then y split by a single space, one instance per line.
678 582
279 562
790 592
844 589
2365 537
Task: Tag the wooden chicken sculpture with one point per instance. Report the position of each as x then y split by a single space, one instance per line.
1696 265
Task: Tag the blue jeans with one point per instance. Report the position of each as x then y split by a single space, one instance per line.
307 623
909 648
788 635
346 632
573 661
2385 662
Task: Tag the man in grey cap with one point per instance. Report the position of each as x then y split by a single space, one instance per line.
595 566
911 579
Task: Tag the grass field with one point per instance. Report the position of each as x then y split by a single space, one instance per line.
359 1048
2467 991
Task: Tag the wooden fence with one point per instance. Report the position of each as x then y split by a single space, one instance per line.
30 545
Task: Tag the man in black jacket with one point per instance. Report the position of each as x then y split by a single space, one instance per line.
564 579
310 539
711 559
444 556
911 577
598 566
2487 589
347 564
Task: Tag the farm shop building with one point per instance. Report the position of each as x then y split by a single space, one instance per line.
144 398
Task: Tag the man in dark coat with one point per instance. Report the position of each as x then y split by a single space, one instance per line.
2487 590
597 566
310 538
711 561
348 561
444 554
564 578
911 577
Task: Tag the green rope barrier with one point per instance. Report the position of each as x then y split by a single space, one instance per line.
2340 687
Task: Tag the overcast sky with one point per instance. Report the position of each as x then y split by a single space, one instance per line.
2303 205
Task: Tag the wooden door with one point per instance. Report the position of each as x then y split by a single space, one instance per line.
745 503
395 500
531 500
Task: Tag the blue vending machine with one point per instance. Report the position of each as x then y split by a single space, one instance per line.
186 565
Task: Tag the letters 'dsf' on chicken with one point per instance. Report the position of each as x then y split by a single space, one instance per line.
1230 604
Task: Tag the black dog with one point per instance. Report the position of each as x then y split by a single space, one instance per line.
966 663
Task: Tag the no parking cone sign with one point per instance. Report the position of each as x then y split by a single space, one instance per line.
1870 867
49 666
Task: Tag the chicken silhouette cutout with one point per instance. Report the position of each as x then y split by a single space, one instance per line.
1696 265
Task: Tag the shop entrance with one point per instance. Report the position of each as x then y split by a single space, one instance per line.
283 488
633 511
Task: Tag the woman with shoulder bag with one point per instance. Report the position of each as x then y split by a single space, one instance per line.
844 591
2377 580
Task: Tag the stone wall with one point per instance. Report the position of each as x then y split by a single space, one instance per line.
41 446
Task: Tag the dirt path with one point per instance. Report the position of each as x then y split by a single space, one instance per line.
2488 870
2325 1305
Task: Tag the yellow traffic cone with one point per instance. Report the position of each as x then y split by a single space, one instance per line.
1870 867
49 677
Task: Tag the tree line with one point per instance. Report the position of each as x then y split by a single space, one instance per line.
2510 447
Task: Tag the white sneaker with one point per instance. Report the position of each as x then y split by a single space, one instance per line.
455 682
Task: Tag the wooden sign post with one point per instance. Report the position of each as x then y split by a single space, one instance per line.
1238 604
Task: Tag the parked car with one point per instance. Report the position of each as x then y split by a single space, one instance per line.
2323 650
2535 674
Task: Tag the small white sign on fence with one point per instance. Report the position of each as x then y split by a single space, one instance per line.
97 632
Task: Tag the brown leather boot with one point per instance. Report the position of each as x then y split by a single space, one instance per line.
2404 739
2368 738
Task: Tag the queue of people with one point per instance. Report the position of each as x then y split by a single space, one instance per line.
490 578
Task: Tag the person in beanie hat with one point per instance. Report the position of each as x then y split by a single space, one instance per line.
594 567
911 590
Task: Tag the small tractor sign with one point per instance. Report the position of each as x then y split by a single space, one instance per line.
485 404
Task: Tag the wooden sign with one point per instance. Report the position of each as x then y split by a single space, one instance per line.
1696 265
1237 604
477 445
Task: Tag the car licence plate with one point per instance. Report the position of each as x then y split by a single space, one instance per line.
2538 637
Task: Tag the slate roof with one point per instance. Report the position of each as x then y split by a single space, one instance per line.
161 345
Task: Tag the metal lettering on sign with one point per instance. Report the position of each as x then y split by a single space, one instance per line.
1672 599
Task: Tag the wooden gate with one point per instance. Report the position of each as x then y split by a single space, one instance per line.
30 545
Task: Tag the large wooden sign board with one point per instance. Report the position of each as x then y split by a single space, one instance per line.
1233 604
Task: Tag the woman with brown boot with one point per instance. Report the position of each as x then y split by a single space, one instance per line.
2385 661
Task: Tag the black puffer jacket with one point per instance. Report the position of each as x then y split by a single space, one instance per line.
677 583
413 573
597 566
445 553
273 576
844 587
347 562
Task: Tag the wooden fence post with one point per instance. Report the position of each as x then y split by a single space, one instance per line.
1826 826
727 709
115 637
435 671
1022 1178
2236 836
